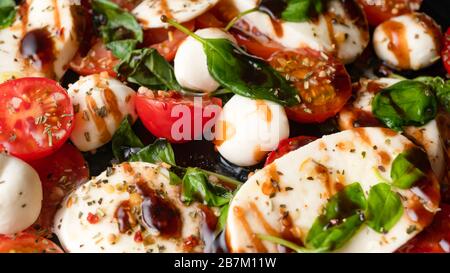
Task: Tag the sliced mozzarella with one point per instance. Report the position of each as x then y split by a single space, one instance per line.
101 103
149 12
190 64
109 196
248 129
360 110
306 178
20 195
410 41
342 29
58 21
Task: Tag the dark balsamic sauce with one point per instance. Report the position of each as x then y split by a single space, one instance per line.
273 7
37 46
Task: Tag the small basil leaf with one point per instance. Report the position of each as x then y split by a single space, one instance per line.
124 139
245 75
405 103
302 10
174 179
441 88
159 151
196 187
340 220
122 48
406 168
222 221
7 13
384 208
148 68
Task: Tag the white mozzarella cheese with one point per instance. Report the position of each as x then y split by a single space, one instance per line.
149 12
58 21
248 129
20 195
190 64
408 42
101 103
333 31
427 136
306 178
124 186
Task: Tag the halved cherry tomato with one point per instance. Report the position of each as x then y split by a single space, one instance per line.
60 173
322 82
163 112
446 51
98 59
435 238
379 11
36 117
255 47
287 146
166 41
27 243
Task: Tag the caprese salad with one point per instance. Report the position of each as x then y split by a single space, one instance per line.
153 126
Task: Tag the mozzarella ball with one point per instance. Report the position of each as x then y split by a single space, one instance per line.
248 129
101 103
20 195
190 64
408 42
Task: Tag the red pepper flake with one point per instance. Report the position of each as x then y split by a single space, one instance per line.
138 237
191 242
93 218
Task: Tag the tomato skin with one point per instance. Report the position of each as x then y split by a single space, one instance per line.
446 51
287 146
254 47
322 82
36 117
60 173
27 243
378 13
98 59
156 113
431 239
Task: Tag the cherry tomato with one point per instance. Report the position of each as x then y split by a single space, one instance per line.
27 243
254 47
446 51
379 11
322 82
163 112
35 118
435 238
166 41
98 59
288 145
60 173
207 20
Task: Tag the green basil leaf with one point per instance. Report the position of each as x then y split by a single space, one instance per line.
159 151
441 88
196 187
341 219
116 25
222 221
122 48
384 208
7 13
124 139
409 167
302 10
405 103
245 75
148 68
288 244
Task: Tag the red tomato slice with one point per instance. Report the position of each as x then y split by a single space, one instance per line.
254 47
36 117
322 82
287 146
27 243
166 41
446 51
60 173
163 111
379 11
435 238
98 59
